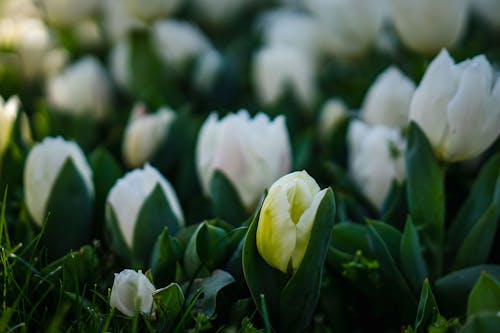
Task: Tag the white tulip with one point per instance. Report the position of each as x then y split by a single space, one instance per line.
119 64
218 12
127 197
148 10
292 28
132 292
458 106
332 113
489 10
426 26
376 159
144 134
251 153
387 102
8 115
66 13
82 87
349 27
43 166
279 67
116 21
286 220
179 42
207 68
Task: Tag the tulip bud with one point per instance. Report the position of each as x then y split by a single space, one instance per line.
251 153
82 87
286 220
332 113
426 26
8 115
65 13
387 102
125 204
42 170
376 159
179 42
489 10
131 293
145 134
116 20
151 9
457 106
279 67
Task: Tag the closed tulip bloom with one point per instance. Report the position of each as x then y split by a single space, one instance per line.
82 88
426 26
65 13
286 220
332 113
43 166
131 293
145 134
8 114
387 102
251 153
127 197
458 106
279 67
148 10
376 159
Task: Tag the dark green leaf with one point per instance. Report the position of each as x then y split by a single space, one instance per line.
226 202
426 198
211 287
211 245
169 302
350 237
114 235
164 259
484 297
390 235
427 312
488 323
412 260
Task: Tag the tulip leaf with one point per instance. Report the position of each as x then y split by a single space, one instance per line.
390 235
211 245
400 294
350 238
477 245
115 236
261 278
426 197
394 208
169 302
153 216
484 297
452 290
301 293
69 210
412 260
226 201
427 312
164 259
211 287
484 323
480 198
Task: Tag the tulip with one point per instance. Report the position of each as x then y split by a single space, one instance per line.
65 13
207 69
279 67
126 199
144 135
286 220
376 159
179 42
43 167
332 113
8 115
251 153
426 26
148 10
116 20
349 27
489 10
82 87
387 102
219 12
458 106
131 293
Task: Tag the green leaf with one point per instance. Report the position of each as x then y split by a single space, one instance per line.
169 302
452 290
393 279
427 312
488 323
484 297
226 202
164 259
390 235
114 235
301 293
211 287
69 210
426 197
480 198
477 245
350 237
154 215
212 245
394 208
412 260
